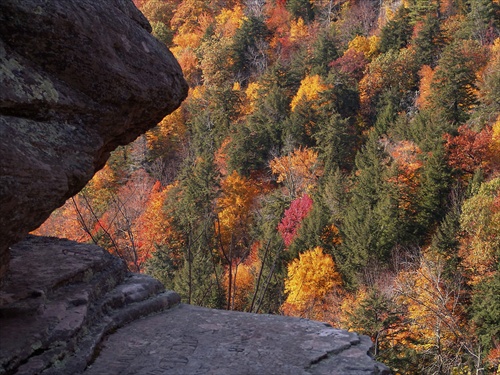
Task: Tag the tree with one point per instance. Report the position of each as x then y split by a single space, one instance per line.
302 9
469 150
336 143
371 312
454 84
299 171
394 72
436 313
480 220
309 91
435 185
429 41
370 224
233 219
310 278
397 32
289 225
250 44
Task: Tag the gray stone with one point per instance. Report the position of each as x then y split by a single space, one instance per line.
70 308
60 298
194 340
78 79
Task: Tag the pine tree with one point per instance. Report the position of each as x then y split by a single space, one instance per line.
397 32
454 84
370 226
335 139
435 186
301 9
428 41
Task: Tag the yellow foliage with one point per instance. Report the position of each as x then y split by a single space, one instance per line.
298 30
243 284
238 195
252 94
310 279
434 314
480 221
299 171
188 40
368 46
171 126
309 90
495 141
229 20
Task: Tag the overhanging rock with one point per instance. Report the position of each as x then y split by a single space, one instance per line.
78 78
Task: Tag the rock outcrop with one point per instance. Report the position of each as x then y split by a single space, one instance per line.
60 298
69 308
78 78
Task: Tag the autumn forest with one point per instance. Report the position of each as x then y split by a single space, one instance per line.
334 160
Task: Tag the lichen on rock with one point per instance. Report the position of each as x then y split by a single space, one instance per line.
78 78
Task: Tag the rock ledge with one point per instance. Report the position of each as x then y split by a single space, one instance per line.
70 308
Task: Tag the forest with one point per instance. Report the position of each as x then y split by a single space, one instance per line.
335 160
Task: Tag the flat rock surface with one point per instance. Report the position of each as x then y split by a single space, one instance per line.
60 298
194 340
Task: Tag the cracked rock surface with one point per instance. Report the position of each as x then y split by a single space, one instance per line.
60 298
194 340
70 308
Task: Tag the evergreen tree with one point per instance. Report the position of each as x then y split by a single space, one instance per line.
324 51
454 83
485 311
370 226
433 194
301 9
250 45
397 32
336 143
428 41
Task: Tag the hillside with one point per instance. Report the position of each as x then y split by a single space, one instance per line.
335 160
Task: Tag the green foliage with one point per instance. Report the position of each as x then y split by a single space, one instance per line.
197 281
429 41
432 197
370 225
301 9
397 32
485 311
455 81
250 43
336 142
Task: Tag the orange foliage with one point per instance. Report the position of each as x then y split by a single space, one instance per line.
153 225
469 150
234 208
408 165
299 171
426 75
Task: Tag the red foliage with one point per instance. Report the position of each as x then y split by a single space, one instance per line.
469 150
293 217
352 63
